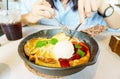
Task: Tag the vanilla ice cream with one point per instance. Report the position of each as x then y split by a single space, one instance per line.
63 49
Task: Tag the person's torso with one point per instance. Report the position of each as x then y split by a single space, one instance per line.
71 18
67 16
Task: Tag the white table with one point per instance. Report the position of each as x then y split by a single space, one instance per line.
12 66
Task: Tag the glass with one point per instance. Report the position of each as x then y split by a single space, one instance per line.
10 22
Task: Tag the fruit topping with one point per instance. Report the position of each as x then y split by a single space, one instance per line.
64 62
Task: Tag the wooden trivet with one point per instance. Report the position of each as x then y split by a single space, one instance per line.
39 73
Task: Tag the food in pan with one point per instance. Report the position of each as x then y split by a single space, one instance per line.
57 51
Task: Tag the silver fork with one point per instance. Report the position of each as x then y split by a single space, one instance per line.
63 27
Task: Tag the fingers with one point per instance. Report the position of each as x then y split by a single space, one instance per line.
86 7
81 10
44 5
42 2
44 14
46 8
40 8
94 5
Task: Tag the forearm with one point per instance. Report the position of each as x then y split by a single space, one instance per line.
113 21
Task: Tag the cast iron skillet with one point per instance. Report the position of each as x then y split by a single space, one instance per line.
89 41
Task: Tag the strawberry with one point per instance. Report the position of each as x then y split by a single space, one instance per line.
75 56
64 62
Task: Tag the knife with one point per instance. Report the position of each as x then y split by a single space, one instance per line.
73 33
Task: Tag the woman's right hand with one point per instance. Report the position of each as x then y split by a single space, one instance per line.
41 9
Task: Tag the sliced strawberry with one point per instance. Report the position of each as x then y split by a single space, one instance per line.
75 56
64 62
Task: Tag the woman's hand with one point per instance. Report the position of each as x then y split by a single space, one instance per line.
40 10
86 7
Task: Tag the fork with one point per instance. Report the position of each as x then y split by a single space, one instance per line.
63 27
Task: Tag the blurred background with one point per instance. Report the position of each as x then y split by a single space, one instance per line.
13 4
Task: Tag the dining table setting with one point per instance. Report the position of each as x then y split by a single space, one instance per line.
107 65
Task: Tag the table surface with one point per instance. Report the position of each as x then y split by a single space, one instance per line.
12 66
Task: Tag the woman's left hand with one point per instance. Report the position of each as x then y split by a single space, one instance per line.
86 7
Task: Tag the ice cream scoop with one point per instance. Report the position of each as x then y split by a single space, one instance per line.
63 49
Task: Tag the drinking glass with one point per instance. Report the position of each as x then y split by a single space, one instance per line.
10 22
